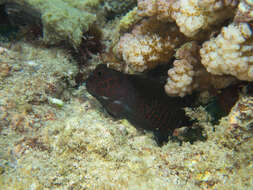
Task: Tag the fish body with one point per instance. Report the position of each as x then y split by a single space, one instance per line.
139 99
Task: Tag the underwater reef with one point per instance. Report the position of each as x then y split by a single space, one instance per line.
212 46
55 135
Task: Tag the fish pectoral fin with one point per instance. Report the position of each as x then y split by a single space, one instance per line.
115 109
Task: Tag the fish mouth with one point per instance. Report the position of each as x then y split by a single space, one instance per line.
103 97
88 86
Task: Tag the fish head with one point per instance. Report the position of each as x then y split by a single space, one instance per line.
105 82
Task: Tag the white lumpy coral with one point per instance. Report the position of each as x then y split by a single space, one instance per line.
188 74
231 52
191 16
180 79
146 47
141 51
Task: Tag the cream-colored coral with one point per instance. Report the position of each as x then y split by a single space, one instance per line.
244 12
158 8
193 15
180 79
190 15
230 53
146 47
188 74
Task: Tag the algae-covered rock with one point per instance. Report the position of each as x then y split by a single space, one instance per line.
62 21
129 20
84 4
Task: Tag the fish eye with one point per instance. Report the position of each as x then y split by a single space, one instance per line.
99 73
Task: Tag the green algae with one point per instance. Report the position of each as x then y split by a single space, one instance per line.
61 21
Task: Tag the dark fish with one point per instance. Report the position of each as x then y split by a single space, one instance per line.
141 100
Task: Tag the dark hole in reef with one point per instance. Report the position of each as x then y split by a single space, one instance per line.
218 106
3 16
99 73
91 44
221 104
19 21
160 72
192 134
7 31
250 88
